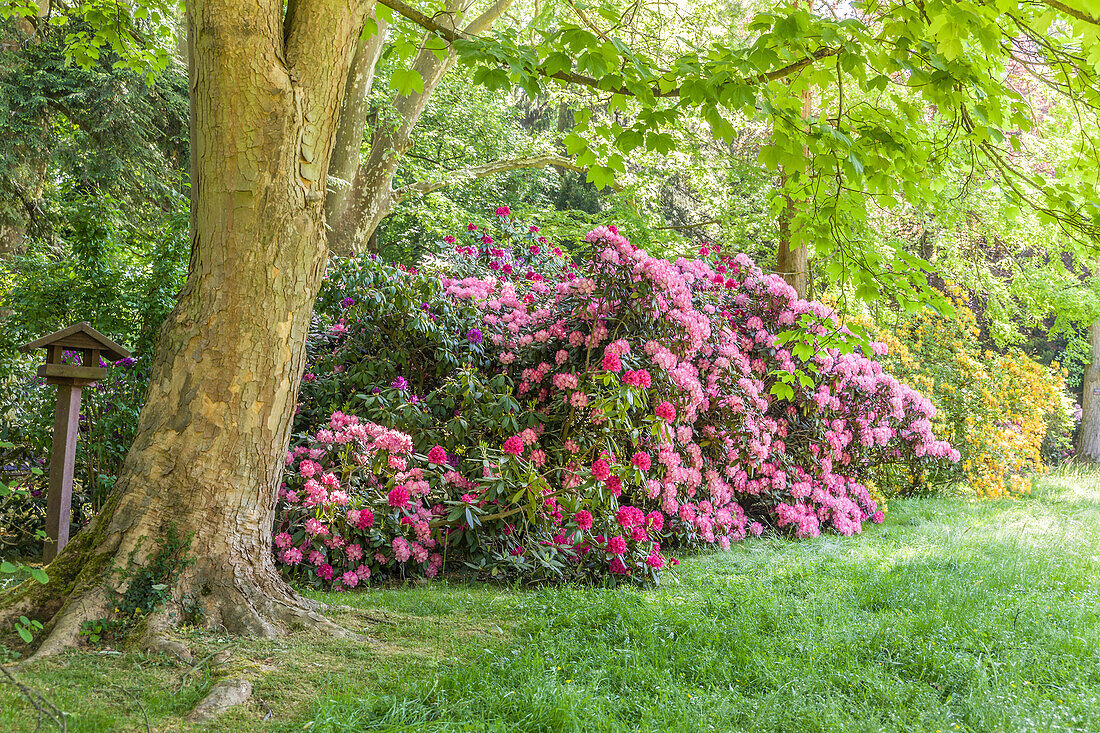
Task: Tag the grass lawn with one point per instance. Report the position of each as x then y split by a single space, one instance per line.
952 616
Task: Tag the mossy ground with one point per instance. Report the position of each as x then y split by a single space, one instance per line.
952 616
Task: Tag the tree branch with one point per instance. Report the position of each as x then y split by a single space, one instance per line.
1074 12
483 170
570 77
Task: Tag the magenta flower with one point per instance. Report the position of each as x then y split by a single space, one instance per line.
437 455
583 519
398 496
614 485
641 460
666 411
513 446
600 469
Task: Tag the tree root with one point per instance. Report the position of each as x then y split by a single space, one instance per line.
222 696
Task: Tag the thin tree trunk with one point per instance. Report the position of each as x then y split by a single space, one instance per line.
347 149
1088 433
207 457
371 197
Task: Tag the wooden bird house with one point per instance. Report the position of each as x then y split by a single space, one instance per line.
69 378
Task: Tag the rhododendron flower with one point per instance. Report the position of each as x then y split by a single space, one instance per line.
583 519
347 302
616 545
350 579
400 384
641 460
629 516
503 211
325 572
354 552
398 496
437 455
513 446
283 540
315 527
291 556
614 485
666 411
617 567
655 561
600 469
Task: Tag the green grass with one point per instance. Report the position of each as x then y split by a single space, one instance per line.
952 616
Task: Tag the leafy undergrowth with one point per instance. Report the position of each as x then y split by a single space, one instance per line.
952 616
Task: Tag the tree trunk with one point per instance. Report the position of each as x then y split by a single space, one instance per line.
346 151
370 197
207 457
792 262
1088 433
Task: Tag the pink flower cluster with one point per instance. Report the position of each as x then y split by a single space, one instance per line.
699 341
367 497
650 414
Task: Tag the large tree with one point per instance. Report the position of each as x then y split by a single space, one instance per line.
267 83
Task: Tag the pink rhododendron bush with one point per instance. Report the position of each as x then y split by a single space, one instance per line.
524 414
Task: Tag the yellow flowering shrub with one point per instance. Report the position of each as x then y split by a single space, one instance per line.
996 409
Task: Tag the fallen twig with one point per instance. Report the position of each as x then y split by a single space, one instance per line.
35 698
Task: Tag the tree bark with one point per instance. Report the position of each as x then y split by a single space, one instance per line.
347 149
371 198
207 458
792 262
1088 433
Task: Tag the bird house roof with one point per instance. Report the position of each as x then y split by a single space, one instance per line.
79 336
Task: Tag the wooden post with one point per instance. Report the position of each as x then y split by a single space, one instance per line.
69 379
66 426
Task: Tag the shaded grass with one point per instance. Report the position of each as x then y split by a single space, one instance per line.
951 616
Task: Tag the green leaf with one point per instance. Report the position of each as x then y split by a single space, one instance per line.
40 575
407 81
557 62
492 79
783 391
